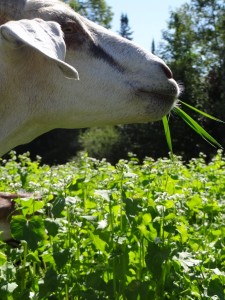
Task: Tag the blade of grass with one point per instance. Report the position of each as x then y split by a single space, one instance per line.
165 121
196 127
201 112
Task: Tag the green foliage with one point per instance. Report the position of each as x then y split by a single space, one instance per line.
125 30
193 46
96 10
131 231
100 142
192 123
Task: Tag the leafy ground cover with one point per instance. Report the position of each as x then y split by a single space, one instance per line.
151 230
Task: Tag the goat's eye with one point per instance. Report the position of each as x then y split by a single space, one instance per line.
68 27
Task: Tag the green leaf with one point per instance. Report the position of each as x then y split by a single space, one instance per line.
143 230
195 202
99 243
33 257
3 258
202 112
182 229
50 284
155 258
94 280
32 230
61 257
58 206
30 206
146 218
216 288
167 133
51 226
196 127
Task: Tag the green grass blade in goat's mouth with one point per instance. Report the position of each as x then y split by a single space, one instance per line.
192 123
166 126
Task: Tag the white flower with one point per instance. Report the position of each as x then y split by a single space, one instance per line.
102 224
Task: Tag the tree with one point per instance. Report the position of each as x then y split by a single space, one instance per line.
95 10
194 48
153 47
125 30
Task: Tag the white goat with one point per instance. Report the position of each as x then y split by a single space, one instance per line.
119 81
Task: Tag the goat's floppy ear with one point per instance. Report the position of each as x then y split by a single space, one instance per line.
44 37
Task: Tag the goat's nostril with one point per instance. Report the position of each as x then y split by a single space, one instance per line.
167 71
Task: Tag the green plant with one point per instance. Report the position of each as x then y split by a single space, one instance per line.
130 231
190 122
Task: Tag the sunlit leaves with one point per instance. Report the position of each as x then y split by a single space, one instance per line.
31 230
132 231
3 258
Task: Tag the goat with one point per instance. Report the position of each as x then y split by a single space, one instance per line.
60 70
119 81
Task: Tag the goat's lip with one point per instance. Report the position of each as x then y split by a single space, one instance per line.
170 96
169 91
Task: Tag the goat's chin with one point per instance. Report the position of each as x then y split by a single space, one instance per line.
156 106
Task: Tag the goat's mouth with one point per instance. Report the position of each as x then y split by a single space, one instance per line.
158 104
165 93
167 98
154 93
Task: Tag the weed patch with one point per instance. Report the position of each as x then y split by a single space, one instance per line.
132 231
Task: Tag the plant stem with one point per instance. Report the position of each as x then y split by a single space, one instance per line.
23 282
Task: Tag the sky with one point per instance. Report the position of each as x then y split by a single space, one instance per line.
147 18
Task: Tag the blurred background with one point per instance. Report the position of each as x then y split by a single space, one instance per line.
190 37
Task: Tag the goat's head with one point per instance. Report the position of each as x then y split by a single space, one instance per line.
119 81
